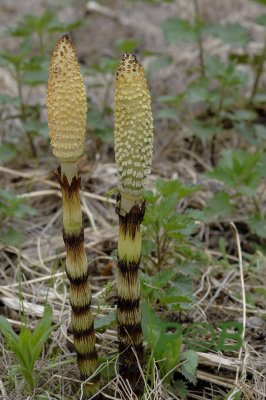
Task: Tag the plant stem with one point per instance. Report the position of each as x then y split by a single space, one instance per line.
218 121
258 74
200 41
77 273
23 114
130 211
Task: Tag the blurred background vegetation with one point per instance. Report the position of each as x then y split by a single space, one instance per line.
205 64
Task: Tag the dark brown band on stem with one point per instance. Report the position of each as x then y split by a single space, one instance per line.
78 281
130 223
82 333
80 310
77 273
92 355
127 304
128 267
69 189
132 332
129 367
73 241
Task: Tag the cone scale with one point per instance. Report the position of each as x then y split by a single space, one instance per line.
67 109
133 153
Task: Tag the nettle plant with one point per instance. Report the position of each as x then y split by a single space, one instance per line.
218 90
12 210
29 69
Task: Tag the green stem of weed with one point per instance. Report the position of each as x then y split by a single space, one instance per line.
200 41
258 74
23 113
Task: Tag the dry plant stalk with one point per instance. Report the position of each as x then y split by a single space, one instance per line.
133 153
67 108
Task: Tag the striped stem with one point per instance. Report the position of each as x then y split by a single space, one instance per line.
128 287
133 152
67 114
77 273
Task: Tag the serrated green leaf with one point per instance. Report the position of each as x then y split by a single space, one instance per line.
11 237
165 339
238 169
127 45
159 62
242 115
219 206
105 321
258 225
7 151
263 2
259 98
167 113
176 30
198 91
188 368
261 20
233 34
168 188
204 130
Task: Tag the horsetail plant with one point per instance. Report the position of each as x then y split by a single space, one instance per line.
67 108
133 153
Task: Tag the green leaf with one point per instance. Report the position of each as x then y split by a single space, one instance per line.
171 100
176 30
242 115
263 2
7 330
259 98
261 20
218 207
199 92
127 45
165 339
100 324
204 130
7 151
233 34
42 332
24 345
8 100
167 113
238 169
11 237
188 368
97 125
257 225
176 188
159 62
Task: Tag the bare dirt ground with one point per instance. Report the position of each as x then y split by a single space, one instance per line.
38 262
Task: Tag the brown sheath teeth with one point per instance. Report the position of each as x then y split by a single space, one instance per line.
79 310
87 356
130 268
83 333
127 304
78 281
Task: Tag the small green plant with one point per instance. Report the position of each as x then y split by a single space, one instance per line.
28 345
12 209
168 232
29 67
